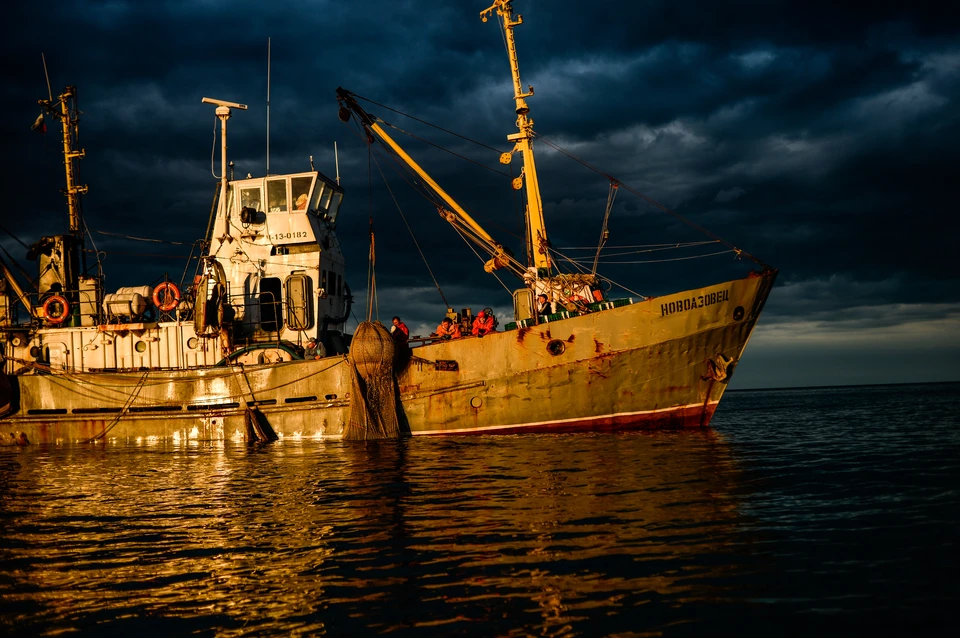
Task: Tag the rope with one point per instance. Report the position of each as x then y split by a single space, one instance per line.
156 241
412 236
130 400
372 256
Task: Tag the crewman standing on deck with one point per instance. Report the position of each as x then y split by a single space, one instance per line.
544 307
399 332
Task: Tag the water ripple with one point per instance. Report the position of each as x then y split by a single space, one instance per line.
827 510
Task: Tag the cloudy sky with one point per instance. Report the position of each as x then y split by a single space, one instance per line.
821 137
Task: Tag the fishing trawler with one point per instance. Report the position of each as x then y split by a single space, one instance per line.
221 357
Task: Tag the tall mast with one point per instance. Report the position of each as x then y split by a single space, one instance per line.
65 111
223 113
537 240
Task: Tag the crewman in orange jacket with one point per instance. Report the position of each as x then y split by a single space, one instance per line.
448 329
483 324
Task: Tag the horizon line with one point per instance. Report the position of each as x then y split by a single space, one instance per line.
842 385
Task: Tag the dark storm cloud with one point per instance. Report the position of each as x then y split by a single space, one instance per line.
821 137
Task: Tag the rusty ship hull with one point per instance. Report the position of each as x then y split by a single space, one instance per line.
661 362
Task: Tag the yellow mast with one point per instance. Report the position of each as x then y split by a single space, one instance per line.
69 121
537 240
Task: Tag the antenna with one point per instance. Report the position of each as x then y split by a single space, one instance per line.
49 91
336 159
268 106
223 113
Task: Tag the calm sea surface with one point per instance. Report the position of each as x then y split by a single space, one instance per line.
800 512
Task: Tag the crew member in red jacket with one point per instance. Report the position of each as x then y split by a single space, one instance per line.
483 324
399 332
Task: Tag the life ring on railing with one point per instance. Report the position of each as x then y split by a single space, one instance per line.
50 313
166 296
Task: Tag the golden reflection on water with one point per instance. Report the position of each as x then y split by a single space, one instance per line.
544 532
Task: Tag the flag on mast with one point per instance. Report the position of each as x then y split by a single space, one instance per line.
39 125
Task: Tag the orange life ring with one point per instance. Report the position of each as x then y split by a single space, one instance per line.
170 293
64 309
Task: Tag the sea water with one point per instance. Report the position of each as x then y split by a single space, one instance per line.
800 512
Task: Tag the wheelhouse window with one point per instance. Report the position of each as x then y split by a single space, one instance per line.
277 195
251 198
335 200
325 199
300 192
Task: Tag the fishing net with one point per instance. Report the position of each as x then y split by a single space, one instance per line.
258 429
373 403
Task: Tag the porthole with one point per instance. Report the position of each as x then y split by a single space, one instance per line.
738 313
34 351
556 347
476 402
140 346
192 343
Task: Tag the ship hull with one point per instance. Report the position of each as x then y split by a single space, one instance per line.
660 363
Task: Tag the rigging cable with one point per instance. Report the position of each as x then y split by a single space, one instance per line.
649 247
17 239
427 192
604 230
660 261
409 176
196 245
23 273
155 241
446 150
96 251
439 128
577 265
413 237
466 240
213 151
430 195
414 181
655 203
372 256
